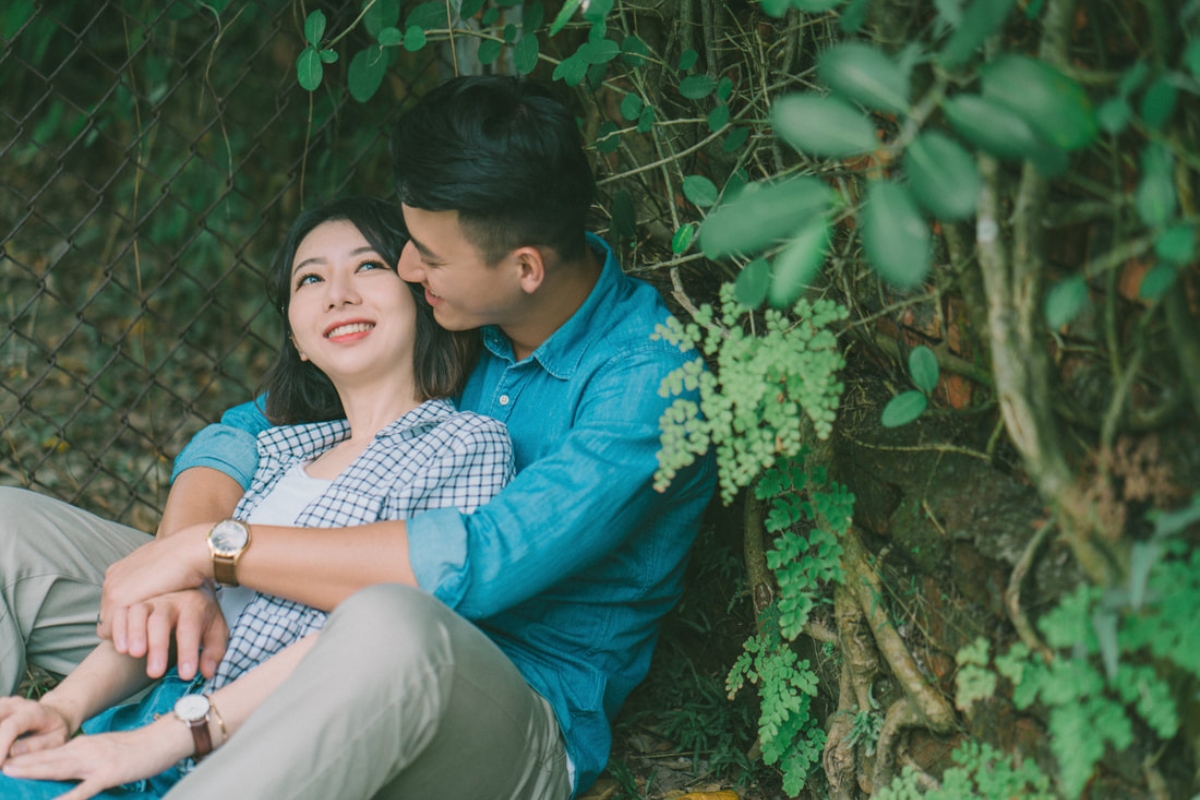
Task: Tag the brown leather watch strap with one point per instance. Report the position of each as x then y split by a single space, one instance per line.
225 570
202 738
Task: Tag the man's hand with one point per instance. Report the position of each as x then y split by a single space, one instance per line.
165 565
193 615
27 726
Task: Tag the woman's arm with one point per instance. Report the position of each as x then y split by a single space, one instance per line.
111 759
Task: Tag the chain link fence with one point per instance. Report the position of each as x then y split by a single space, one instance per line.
152 155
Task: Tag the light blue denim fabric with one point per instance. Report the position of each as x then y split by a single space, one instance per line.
571 568
120 718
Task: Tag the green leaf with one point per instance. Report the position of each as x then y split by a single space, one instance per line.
736 138
1142 558
563 17
761 214
696 87
903 409
682 239
414 38
430 15
314 28
624 218
750 288
608 137
631 106
1156 282
1177 244
718 118
533 16
489 51
1154 197
600 52
595 75
866 75
309 69
853 16
724 89
366 73
1113 115
646 120
981 20
634 50
510 33
943 177
996 129
816 6
1064 302
797 264
1191 57
688 59
775 8
923 366
525 54
597 10
895 237
389 37
1158 103
1105 624
700 191
490 16
1133 78
381 14
823 126
328 56
470 8
1055 106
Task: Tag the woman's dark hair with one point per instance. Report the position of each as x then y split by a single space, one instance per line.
503 153
297 391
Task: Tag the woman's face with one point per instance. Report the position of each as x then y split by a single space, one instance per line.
349 312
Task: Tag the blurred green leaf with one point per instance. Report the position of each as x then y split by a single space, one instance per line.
1191 58
328 56
752 282
599 52
314 28
1057 108
563 17
816 6
950 11
624 218
1158 102
823 126
996 129
1155 197
903 409
688 59
470 8
724 89
763 214
1133 78
1064 301
853 16
430 15
865 74
309 69
718 118
646 120
682 239
389 37
366 72
381 14
979 21
510 33
634 50
942 175
1156 282
1177 244
736 138
775 8
489 50
490 16
525 54
596 10
696 87
1113 115
414 38
799 262
700 191
572 70
608 137
533 16
631 106
923 366
895 237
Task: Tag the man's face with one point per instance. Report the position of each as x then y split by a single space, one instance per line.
463 289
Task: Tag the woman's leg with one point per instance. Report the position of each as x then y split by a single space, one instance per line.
52 562
400 697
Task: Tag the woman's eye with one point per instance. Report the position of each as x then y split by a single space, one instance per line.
372 265
305 280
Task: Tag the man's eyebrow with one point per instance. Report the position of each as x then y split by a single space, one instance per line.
321 260
422 249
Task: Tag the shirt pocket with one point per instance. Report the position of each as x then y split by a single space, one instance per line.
340 506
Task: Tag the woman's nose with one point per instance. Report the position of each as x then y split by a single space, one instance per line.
342 292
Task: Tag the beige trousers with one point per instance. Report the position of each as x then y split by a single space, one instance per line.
399 698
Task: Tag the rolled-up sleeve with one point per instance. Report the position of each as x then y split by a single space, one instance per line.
229 446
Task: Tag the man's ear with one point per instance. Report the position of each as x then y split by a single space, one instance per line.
531 268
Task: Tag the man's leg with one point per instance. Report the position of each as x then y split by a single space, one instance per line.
52 562
399 698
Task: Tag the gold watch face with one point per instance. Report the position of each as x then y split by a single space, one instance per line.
192 707
228 537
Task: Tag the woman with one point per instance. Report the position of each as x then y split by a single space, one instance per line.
361 345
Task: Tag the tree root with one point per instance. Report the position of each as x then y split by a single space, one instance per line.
1012 596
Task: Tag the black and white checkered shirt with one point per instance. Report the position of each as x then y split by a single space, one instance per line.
432 457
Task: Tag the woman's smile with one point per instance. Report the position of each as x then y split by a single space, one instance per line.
349 331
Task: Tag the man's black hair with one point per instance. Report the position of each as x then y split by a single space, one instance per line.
503 153
297 391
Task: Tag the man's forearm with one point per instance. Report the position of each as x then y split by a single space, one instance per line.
199 495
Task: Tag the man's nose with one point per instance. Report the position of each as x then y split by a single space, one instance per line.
410 268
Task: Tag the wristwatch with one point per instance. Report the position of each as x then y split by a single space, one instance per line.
227 540
192 710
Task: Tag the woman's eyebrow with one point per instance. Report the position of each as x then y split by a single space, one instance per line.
322 260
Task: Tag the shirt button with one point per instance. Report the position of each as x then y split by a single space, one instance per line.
503 399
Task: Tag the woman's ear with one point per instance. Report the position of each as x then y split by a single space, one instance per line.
299 352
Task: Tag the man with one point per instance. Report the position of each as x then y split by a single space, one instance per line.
539 612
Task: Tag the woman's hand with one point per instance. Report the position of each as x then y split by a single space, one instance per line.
27 726
106 760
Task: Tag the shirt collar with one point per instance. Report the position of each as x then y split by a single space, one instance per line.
561 353
310 439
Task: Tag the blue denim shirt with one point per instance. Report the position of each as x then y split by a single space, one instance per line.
570 569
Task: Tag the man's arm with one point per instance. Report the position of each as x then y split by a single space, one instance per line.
199 495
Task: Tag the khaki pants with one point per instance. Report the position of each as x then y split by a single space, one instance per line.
399 698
